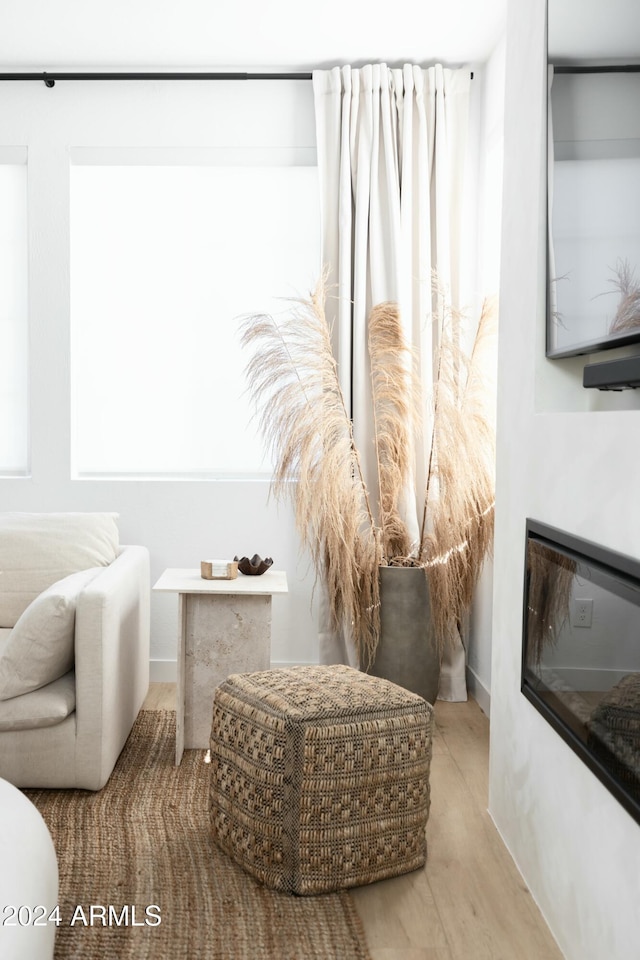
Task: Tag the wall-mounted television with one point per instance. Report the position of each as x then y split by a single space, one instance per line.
594 210
581 652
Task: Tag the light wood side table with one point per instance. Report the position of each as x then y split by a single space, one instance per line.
224 627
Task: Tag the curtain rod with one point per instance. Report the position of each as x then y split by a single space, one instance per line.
602 68
49 79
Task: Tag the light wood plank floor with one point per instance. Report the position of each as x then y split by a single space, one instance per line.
469 902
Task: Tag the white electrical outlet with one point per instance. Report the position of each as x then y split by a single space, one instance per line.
581 613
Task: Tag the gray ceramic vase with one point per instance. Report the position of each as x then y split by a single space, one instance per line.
406 653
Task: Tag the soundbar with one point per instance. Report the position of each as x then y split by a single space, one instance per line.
621 374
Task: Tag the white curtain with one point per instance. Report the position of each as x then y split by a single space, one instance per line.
391 156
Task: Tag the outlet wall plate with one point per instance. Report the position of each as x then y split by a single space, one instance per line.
581 611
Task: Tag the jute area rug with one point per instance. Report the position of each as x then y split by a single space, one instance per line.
141 849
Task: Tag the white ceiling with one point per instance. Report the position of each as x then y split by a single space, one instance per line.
210 34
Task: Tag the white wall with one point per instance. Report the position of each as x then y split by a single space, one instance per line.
180 522
488 119
577 469
597 656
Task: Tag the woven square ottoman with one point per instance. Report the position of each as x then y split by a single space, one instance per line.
320 777
614 731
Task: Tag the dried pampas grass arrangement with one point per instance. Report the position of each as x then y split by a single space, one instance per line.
628 311
457 522
550 577
293 382
395 397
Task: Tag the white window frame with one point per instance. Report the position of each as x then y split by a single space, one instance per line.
14 309
229 157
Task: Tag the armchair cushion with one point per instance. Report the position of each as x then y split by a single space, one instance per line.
111 668
38 549
42 708
40 648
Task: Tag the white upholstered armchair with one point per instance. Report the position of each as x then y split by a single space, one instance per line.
74 647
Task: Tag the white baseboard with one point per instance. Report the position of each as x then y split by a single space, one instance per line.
163 671
581 678
166 671
478 691
275 664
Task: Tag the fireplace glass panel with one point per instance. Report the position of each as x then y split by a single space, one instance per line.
581 652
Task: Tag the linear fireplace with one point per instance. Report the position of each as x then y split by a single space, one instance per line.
581 652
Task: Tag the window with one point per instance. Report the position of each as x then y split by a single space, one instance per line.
165 260
14 401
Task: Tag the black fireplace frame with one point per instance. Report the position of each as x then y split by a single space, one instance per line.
622 574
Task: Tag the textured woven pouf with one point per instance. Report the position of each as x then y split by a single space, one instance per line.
320 777
614 730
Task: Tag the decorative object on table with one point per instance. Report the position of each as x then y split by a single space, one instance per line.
255 566
320 777
294 383
219 569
